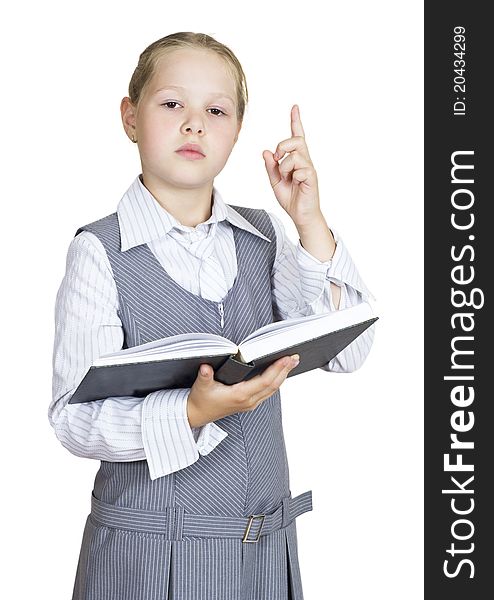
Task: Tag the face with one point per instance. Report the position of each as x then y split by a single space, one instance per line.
190 99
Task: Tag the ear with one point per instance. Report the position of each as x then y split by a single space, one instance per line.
128 114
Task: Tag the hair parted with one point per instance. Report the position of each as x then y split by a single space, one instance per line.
149 58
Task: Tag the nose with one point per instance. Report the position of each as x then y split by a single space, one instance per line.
199 130
194 124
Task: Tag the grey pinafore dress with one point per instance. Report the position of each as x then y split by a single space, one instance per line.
183 536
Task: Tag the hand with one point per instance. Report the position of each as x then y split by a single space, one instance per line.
294 181
210 400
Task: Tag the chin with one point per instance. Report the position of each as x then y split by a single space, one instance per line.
190 182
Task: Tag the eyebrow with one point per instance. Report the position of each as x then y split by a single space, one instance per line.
179 87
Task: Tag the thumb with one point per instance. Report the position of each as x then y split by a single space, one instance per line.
271 167
205 372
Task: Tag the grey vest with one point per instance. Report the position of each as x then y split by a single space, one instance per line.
247 472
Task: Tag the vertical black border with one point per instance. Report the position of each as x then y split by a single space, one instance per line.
446 133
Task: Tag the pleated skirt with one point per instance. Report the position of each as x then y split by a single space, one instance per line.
118 564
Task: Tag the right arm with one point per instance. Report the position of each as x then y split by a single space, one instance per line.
115 429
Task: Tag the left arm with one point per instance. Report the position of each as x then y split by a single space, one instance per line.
303 285
319 242
327 278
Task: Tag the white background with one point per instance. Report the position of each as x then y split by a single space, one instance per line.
356 70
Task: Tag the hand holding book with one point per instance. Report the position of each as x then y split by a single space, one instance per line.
173 362
210 400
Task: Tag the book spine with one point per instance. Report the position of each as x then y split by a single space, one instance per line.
232 371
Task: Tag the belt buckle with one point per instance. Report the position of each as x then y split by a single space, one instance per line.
249 524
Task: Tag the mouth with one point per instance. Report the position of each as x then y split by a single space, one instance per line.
190 154
191 149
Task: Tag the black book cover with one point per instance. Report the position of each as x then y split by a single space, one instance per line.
141 378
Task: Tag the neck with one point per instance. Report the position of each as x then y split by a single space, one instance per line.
189 206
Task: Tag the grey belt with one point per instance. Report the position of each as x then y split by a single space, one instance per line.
175 523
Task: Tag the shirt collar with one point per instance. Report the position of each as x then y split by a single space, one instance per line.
141 217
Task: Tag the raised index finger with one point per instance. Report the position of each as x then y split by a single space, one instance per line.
296 122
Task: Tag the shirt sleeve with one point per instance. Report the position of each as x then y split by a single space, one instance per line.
301 286
116 429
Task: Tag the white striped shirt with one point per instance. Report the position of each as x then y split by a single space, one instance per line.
155 427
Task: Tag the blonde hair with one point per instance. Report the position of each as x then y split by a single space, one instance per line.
149 58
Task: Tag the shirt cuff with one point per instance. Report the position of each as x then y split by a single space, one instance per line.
210 435
340 269
343 297
312 273
168 439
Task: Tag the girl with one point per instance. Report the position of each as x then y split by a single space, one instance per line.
192 498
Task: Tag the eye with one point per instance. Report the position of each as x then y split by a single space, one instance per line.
219 110
169 102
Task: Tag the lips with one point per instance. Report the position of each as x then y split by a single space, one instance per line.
191 148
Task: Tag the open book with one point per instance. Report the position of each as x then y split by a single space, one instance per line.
173 362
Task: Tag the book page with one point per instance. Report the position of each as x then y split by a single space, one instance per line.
176 346
286 333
